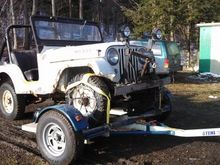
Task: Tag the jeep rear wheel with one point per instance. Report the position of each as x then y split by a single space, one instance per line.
12 106
90 103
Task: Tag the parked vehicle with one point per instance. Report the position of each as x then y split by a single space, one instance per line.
63 52
167 56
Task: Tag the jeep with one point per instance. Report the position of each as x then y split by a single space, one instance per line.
59 52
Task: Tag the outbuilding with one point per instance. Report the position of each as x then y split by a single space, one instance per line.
209 47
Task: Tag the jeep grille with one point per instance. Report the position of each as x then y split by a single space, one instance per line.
128 66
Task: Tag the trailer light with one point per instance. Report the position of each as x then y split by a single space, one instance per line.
78 117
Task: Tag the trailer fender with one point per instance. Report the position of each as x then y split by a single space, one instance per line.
76 119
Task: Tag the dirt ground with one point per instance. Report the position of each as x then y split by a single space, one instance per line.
195 105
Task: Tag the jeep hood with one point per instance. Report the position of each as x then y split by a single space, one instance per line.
70 53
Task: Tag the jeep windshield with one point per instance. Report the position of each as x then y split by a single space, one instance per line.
64 31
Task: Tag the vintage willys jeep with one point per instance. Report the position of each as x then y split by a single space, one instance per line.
60 52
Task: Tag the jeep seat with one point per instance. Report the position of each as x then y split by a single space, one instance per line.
27 62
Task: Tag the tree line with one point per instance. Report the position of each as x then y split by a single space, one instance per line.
177 18
19 11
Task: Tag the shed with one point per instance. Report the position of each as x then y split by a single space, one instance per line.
209 47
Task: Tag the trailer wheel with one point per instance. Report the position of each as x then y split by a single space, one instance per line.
56 139
12 106
90 103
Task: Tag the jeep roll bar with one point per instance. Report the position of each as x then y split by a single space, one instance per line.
8 29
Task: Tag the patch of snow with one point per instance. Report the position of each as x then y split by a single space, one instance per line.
196 68
205 77
213 97
210 74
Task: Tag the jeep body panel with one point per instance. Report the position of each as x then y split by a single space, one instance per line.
21 85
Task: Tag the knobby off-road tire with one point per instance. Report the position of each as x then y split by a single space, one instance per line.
58 143
90 103
12 106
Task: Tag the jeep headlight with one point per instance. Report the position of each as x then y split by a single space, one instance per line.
112 56
127 31
157 34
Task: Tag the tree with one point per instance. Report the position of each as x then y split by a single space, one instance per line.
177 18
26 16
70 8
13 22
81 9
53 7
34 7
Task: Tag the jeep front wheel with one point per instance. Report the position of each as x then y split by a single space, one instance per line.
12 106
90 103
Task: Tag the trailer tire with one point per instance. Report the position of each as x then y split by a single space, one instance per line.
12 106
58 143
96 112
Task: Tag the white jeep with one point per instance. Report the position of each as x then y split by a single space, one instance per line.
59 52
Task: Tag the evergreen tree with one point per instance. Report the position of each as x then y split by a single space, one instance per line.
177 18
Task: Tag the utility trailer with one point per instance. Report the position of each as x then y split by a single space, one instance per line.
61 131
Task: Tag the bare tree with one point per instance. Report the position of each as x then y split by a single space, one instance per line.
26 43
70 8
81 9
3 7
34 7
53 7
13 22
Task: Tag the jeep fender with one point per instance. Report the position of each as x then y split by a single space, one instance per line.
74 116
102 68
99 66
14 73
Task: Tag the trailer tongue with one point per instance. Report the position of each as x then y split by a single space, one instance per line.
135 126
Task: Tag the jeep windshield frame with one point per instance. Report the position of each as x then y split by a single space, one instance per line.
57 31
